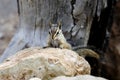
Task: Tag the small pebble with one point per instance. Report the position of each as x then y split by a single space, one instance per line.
35 79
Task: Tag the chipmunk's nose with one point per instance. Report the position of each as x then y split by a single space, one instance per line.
53 37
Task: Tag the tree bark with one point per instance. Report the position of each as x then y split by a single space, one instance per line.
75 15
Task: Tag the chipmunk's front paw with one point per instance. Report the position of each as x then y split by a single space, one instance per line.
61 47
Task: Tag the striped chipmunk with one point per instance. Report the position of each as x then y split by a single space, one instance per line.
57 39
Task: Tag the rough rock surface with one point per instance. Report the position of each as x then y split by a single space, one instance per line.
80 77
44 64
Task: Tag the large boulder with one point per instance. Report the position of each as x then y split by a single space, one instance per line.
44 64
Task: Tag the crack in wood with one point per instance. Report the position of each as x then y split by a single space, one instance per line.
36 12
18 6
72 5
72 8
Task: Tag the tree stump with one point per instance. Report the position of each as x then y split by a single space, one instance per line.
34 15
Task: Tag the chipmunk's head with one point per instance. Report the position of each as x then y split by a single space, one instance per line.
55 30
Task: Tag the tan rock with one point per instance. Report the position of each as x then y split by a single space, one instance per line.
44 64
80 77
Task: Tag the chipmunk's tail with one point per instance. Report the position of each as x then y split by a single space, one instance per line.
87 52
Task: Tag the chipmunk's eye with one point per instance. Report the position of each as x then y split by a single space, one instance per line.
49 32
57 33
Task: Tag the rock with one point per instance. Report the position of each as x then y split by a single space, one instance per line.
80 77
44 64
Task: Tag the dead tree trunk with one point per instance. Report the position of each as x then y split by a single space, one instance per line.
75 15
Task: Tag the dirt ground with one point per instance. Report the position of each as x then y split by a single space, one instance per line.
8 22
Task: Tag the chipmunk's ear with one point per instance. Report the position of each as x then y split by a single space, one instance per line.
50 24
59 25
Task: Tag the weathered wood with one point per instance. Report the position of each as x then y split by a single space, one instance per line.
75 15
83 14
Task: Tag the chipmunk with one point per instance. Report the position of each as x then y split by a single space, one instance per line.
56 39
